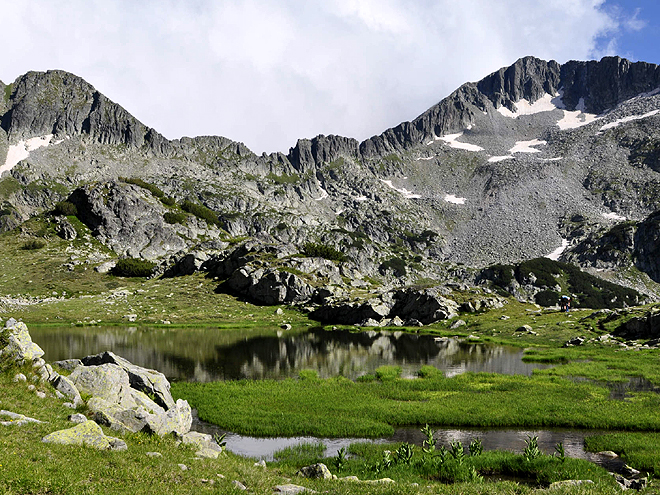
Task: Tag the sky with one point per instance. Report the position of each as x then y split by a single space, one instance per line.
268 72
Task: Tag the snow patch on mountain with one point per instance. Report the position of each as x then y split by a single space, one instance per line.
613 216
21 150
495 159
451 140
450 198
405 192
546 103
526 146
557 252
576 118
630 118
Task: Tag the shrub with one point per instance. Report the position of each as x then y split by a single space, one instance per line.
66 208
547 298
33 244
396 264
168 201
145 185
313 250
201 212
133 267
175 217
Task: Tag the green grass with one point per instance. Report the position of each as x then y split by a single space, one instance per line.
338 407
641 450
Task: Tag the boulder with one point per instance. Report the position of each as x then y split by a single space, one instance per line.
269 286
20 347
145 380
425 305
352 313
64 228
106 381
68 364
88 434
315 471
64 385
205 444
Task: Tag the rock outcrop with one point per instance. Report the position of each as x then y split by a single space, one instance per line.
88 434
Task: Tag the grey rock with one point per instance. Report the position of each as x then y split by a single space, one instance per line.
64 228
426 305
269 286
291 489
145 380
524 329
87 433
569 483
202 442
16 419
154 454
65 386
127 219
69 364
107 381
457 324
575 341
77 418
238 485
315 471
19 377
20 347
105 267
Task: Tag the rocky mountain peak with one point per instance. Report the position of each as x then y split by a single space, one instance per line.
60 103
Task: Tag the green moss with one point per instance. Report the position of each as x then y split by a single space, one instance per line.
133 267
154 190
8 90
284 178
314 250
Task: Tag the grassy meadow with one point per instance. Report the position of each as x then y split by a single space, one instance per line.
51 285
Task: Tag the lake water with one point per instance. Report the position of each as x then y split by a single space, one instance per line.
208 354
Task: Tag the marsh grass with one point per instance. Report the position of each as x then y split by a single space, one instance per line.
410 464
338 407
639 449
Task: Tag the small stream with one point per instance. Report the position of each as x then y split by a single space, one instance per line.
492 439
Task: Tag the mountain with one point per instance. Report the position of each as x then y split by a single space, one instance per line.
537 159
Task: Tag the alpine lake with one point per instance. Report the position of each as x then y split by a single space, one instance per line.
210 354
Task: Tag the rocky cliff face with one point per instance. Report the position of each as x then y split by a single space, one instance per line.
494 173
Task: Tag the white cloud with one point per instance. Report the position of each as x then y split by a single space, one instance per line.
267 73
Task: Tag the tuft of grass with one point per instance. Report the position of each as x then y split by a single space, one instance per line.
638 449
133 267
201 212
33 244
153 189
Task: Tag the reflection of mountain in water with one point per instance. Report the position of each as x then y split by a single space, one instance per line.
353 354
211 354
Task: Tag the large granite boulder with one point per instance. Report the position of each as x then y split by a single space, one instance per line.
426 305
120 399
351 313
88 434
20 347
145 380
269 285
106 381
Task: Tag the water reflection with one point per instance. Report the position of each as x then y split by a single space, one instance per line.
492 439
213 354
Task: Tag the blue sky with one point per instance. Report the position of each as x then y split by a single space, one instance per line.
267 72
639 35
